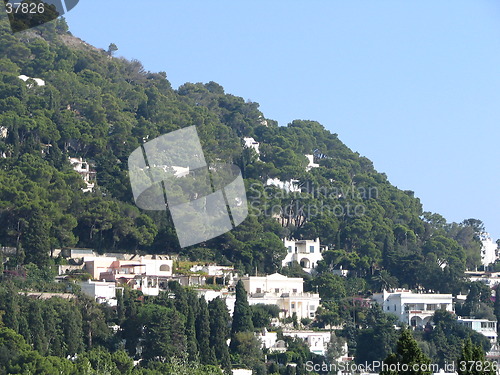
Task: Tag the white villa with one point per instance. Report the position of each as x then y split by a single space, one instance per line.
414 309
488 250
101 291
83 169
285 292
305 252
317 341
484 326
311 164
148 274
252 143
269 340
290 186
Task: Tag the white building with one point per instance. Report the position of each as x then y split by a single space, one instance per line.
226 295
285 292
213 269
317 341
305 252
101 291
83 169
291 186
38 81
311 164
252 143
486 327
241 371
4 132
148 274
269 340
415 309
488 250
489 278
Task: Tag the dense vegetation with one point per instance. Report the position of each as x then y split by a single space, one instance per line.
101 108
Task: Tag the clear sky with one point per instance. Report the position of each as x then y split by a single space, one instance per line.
412 85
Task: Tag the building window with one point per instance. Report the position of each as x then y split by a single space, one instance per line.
258 290
276 290
311 315
294 290
311 249
394 307
164 268
289 249
293 305
388 308
312 308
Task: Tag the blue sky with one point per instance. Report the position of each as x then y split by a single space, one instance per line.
413 86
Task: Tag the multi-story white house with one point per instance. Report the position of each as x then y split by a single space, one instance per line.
414 309
285 292
488 250
84 170
148 274
305 252
484 326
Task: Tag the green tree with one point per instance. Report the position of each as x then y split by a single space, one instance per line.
408 357
472 361
206 350
112 49
219 331
242 315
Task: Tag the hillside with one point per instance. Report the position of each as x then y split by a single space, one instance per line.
100 108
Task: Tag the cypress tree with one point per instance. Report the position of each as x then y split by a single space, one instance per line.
10 303
219 332
191 339
129 303
203 334
120 306
36 327
242 316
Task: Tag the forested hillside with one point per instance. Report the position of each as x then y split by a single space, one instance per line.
101 108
